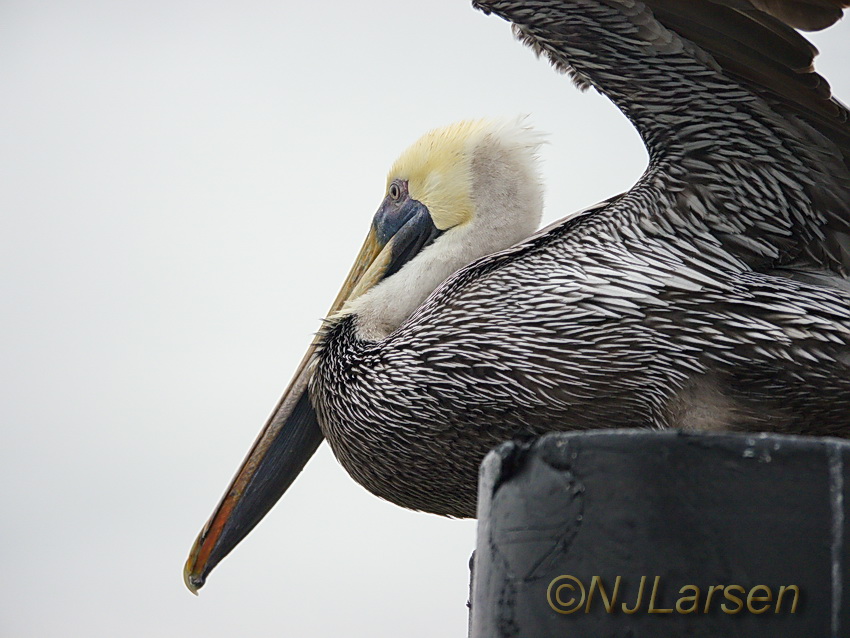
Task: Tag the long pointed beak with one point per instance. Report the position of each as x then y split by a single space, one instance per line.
288 440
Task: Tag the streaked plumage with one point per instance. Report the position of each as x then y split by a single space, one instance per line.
714 295
680 304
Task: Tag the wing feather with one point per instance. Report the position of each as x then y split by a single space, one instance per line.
808 15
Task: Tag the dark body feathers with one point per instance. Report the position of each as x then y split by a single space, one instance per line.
711 296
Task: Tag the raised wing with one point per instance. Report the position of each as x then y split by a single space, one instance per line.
748 149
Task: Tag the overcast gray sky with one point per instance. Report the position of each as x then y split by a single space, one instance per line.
183 186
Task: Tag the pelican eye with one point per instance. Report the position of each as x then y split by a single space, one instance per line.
395 191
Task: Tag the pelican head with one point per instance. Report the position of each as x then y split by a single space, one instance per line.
457 194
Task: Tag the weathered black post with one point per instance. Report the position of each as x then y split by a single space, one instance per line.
633 533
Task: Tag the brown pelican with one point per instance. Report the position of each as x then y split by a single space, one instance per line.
714 295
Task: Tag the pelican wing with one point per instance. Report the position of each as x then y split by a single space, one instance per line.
749 150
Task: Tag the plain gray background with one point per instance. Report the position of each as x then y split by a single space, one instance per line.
183 186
